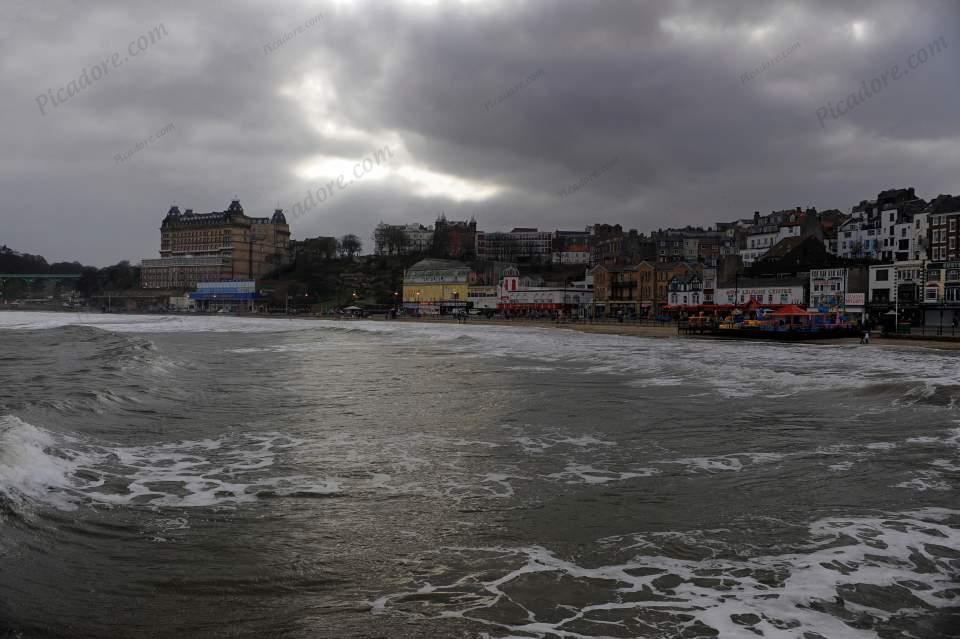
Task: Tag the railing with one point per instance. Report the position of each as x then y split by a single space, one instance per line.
938 330
611 321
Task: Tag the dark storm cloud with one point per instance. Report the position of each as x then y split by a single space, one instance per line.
657 85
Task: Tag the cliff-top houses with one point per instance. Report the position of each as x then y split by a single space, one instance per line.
892 253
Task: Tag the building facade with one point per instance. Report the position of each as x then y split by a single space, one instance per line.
455 239
238 295
663 274
686 291
774 291
518 245
482 297
571 247
517 298
436 287
402 239
623 289
219 246
944 229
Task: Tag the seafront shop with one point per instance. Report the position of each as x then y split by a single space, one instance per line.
229 296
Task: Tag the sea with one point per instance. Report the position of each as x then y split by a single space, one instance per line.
216 476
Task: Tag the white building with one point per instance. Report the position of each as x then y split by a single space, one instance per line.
482 298
762 291
686 291
859 237
828 287
402 239
758 241
881 283
919 249
514 297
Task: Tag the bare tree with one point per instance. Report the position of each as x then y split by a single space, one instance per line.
350 245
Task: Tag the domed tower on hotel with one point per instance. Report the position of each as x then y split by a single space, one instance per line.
217 246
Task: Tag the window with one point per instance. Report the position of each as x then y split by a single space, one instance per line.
883 275
953 224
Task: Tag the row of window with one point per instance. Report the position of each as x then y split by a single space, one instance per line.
950 294
939 220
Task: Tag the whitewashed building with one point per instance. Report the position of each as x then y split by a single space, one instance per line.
762 291
859 237
514 297
758 242
402 239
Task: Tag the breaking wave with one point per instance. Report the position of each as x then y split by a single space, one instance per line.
62 471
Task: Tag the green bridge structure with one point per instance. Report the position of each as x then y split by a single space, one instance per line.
29 277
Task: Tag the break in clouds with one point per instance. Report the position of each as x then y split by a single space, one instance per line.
490 110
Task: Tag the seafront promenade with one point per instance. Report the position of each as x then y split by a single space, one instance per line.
631 328
667 331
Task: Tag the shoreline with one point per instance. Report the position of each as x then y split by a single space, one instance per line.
650 331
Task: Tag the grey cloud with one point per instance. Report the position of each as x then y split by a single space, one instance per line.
656 85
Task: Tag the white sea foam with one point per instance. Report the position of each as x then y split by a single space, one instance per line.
731 369
545 442
905 557
722 463
925 480
65 471
582 473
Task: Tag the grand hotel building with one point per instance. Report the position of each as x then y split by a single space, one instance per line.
218 246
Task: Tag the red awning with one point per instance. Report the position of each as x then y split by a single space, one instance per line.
791 309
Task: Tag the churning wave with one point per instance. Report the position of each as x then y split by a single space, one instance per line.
39 467
849 578
733 370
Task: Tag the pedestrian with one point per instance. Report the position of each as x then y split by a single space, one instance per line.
866 336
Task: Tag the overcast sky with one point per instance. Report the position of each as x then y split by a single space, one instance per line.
549 114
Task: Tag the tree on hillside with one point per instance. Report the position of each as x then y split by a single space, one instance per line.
350 245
